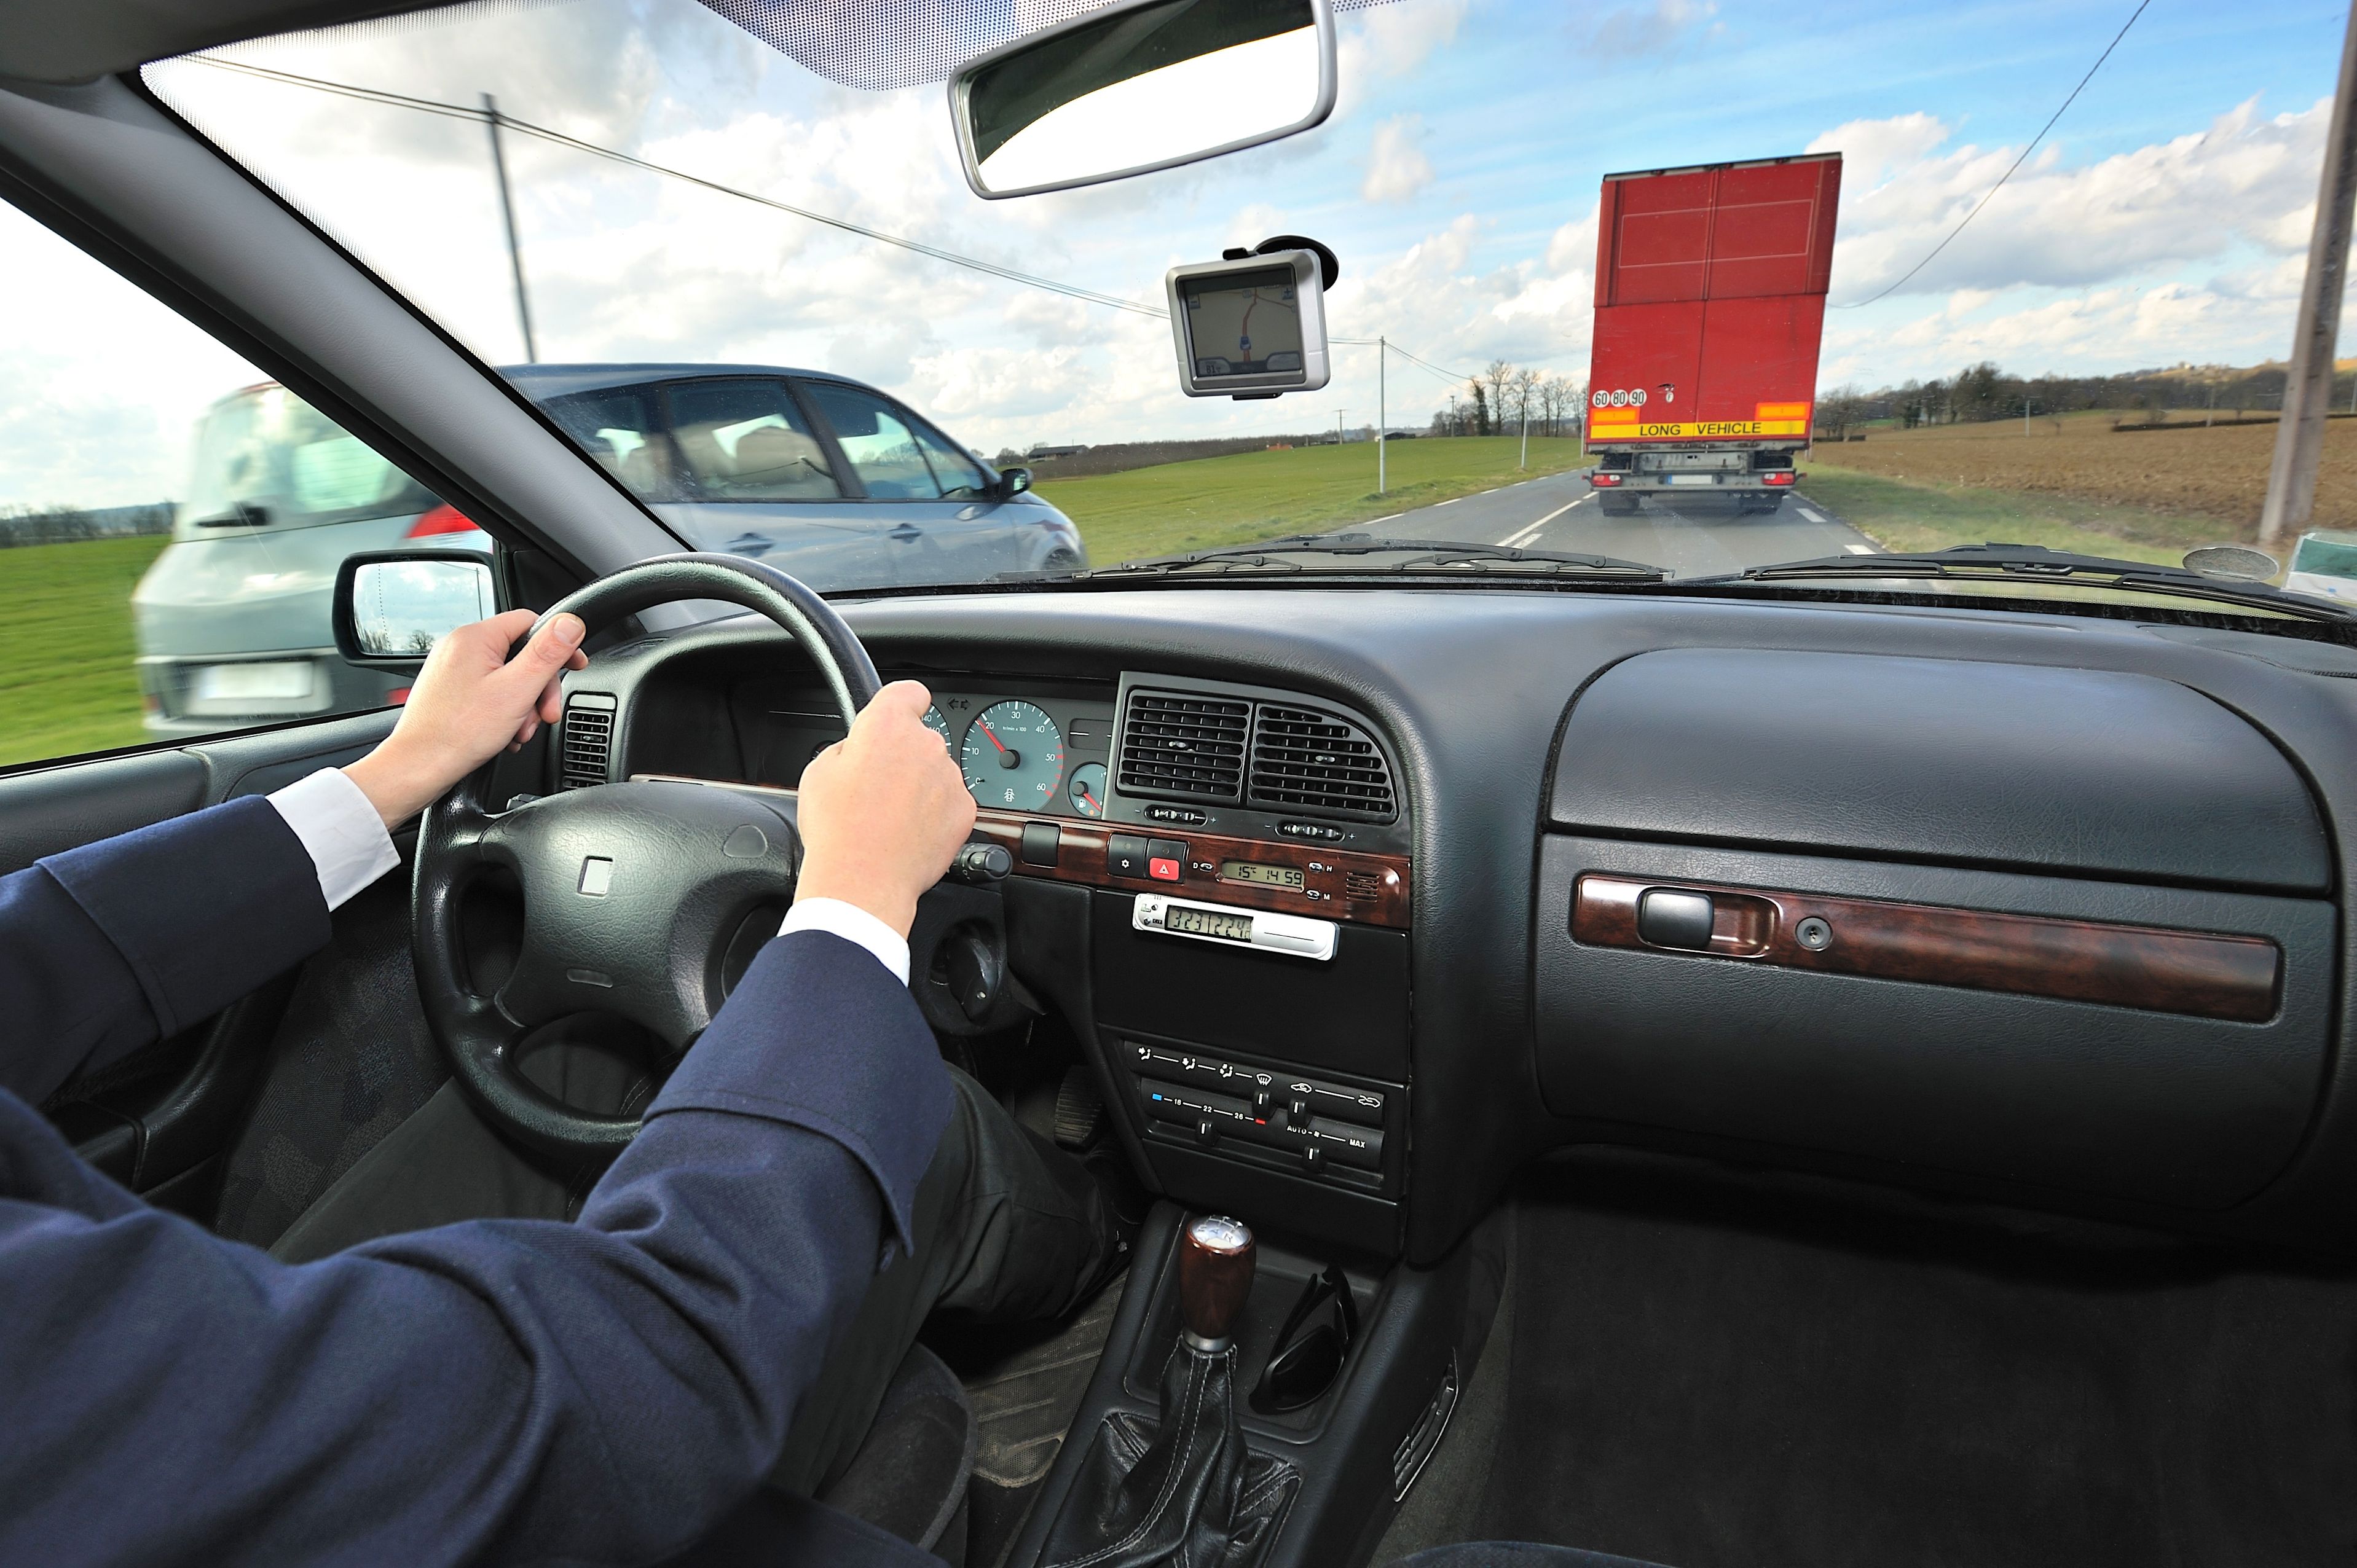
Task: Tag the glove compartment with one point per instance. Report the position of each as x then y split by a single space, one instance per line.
2065 928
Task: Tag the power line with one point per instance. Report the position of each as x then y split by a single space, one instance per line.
543 133
1984 201
503 119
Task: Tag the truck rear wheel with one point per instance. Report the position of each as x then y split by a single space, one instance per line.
1618 505
1750 505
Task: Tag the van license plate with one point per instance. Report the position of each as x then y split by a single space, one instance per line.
277 681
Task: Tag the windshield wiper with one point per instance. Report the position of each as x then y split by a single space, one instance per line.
2035 563
1423 557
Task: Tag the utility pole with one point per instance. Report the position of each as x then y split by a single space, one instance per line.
1527 430
1382 406
507 215
1337 424
1452 414
2308 394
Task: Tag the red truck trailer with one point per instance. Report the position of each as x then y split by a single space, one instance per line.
1710 299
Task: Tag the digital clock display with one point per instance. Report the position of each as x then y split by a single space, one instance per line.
1260 876
1207 923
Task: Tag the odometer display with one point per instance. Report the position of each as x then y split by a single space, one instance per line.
1260 876
1194 922
1013 756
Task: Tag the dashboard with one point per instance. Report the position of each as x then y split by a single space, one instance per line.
1360 899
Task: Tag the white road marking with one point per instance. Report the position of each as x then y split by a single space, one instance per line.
1517 541
1450 502
1812 516
1387 517
1859 549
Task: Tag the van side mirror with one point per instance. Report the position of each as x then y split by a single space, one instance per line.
1136 87
1013 482
392 607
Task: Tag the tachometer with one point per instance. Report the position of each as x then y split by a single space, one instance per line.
1014 757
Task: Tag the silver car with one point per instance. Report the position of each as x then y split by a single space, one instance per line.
821 476
825 477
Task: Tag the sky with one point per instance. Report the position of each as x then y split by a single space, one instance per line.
2164 220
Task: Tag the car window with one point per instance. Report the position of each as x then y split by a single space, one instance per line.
619 429
879 446
166 559
959 476
746 441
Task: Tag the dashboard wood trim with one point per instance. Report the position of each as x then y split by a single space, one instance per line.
1341 885
1349 885
2200 974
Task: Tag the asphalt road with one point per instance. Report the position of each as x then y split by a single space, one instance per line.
1699 538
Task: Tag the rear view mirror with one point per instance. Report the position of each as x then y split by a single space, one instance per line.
391 608
1142 86
1013 482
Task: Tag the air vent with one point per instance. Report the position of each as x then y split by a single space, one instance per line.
1361 886
1183 748
588 737
1313 762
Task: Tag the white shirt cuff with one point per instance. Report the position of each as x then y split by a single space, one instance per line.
854 925
340 830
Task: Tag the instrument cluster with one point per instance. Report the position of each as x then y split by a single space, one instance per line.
1022 747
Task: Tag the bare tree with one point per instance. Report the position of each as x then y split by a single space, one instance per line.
1522 384
1837 410
1498 375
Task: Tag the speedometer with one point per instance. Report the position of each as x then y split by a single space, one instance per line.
1014 757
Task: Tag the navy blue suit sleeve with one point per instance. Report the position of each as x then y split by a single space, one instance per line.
513 1390
108 947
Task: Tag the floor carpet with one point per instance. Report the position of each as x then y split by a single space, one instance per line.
1716 1373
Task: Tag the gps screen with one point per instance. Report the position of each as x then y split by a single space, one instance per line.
1243 324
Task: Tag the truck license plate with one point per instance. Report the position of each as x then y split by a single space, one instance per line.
1693 478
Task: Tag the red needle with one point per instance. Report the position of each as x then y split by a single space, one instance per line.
1089 798
994 739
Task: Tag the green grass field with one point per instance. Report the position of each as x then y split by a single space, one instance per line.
1176 507
1900 515
66 683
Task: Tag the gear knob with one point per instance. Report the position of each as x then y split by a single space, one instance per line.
1215 1275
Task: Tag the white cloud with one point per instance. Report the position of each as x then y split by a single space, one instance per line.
2189 198
1396 168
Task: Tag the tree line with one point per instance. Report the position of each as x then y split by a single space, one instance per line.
1498 400
1986 391
21 524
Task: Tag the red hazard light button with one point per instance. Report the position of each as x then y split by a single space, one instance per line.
1162 870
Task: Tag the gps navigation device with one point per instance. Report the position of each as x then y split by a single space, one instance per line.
1251 326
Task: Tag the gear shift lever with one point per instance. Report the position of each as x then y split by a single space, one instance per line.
1215 1275
1181 1486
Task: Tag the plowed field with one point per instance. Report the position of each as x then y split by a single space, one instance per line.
2219 473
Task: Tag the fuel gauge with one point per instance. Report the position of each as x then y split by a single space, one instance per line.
1087 791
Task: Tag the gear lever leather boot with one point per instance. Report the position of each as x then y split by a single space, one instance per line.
1182 1487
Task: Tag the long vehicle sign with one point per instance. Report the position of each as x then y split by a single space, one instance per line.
1627 425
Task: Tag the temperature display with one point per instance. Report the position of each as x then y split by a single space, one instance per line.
1262 875
1207 923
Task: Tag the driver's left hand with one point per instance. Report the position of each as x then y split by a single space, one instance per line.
469 702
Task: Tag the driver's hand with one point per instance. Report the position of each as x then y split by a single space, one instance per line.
470 703
882 811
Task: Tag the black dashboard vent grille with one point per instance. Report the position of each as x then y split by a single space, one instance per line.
1183 748
1313 762
588 745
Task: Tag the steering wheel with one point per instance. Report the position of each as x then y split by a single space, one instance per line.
632 893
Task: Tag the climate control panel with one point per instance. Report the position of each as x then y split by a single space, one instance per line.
1268 1114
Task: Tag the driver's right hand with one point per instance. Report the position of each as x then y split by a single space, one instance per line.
882 811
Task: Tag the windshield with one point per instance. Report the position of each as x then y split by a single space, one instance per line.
1650 283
